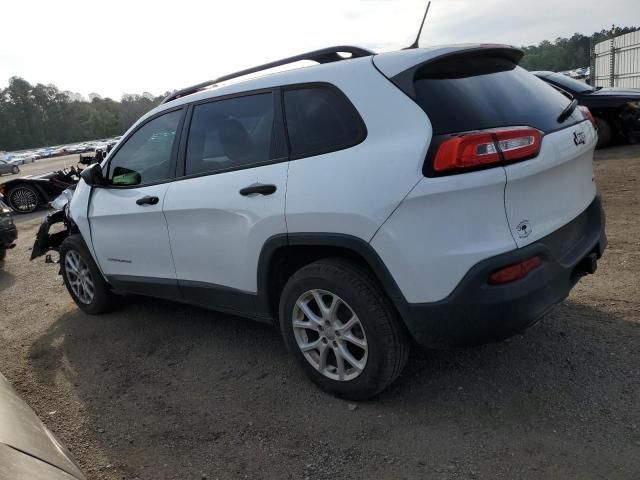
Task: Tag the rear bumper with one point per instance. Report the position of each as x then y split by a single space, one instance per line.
476 312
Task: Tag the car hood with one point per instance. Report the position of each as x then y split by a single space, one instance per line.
22 434
628 93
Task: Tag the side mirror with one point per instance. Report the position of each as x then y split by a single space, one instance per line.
92 175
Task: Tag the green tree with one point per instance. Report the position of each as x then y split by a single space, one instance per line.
42 115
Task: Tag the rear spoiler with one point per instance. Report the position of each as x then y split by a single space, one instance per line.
458 64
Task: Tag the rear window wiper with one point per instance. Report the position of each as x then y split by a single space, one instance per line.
566 113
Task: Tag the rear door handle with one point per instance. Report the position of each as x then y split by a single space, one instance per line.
260 188
148 200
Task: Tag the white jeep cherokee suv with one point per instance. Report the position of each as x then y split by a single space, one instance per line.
441 195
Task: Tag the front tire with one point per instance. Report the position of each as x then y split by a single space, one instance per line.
15 170
342 329
3 253
83 279
23 198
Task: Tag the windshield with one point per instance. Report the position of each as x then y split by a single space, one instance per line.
569 83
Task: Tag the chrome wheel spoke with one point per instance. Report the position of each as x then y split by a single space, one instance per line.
306 325
306 310
352 322
340 363
358 342
311 346
322 361
350 358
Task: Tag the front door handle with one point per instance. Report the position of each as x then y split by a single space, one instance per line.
148 200
261 188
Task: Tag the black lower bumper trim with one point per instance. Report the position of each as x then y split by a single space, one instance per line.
476 312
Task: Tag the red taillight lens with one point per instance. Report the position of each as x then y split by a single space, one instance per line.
487 147
587 114
514 272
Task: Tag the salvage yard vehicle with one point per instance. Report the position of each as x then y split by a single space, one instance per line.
28 450
26 194
616 111
441 195
6 167
8 230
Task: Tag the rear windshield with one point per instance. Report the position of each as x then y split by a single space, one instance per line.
460 95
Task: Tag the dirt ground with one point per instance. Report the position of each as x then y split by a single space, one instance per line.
157 390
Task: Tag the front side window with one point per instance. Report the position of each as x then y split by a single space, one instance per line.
231 133
320 120
145 156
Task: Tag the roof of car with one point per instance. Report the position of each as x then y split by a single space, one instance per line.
390 62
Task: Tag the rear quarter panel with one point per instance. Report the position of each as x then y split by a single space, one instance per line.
353 191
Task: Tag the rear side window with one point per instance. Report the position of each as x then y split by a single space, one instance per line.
320 119
460 95
232 133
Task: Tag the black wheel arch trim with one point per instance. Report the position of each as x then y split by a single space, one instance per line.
319 239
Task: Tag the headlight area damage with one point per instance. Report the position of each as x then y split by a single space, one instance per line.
46 241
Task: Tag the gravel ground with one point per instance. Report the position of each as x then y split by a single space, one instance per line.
163 391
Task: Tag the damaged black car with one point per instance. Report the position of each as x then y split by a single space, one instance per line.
616 111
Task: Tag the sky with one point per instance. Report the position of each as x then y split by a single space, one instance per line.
136 46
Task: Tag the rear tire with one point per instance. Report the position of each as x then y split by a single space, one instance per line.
357 362
604 133
23 198
83 279
3 253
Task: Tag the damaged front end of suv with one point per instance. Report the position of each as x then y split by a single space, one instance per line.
55 227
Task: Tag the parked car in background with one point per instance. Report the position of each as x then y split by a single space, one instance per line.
8 231
28 449
6 167
26 194
616 110
22 158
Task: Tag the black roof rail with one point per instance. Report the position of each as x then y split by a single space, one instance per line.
324 55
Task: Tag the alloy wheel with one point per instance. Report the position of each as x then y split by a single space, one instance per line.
79 277
330 335
23 200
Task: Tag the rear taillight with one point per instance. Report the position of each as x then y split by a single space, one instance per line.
487 147
514 272
587 115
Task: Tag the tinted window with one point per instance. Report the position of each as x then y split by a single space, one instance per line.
145 157
230 133
481 93
320 120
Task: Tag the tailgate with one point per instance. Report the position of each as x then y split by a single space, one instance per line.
546 192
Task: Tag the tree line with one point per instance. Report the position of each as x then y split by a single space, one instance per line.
41 115
567 53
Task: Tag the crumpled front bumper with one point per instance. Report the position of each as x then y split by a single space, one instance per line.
46 241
